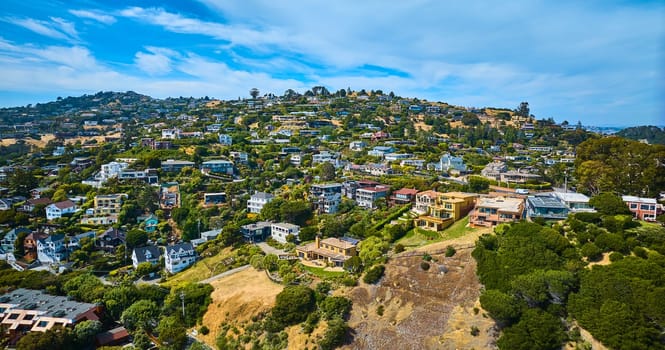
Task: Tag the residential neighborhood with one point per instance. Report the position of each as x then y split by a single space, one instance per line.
307 189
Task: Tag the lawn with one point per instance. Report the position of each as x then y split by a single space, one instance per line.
202 269
322 273
419 237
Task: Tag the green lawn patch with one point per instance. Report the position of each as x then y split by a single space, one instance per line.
203 269
323 274
419 237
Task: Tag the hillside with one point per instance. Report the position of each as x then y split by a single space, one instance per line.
652 134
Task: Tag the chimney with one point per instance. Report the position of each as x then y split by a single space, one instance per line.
318 241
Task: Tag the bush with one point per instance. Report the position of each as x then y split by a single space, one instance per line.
427 257
591 251
450 251
374 274
398 248
640 252
615 256
349 281
424 265
204 330
475 331
379 310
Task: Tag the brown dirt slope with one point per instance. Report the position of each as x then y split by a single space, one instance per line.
237 298
431 309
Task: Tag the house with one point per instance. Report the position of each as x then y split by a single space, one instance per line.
576 202
380 151
169 195
150 223
210 199
100 220
225 139
280 231
31 204
110 239
256 232
366 197
257 201
519 177
108 171
326 197
403 196
546 207
148 176
438 210
450 163
113 337
171 165
393 157
108 204
36 193
332 251
239 157
30 244
349 188
171 134
493 170
26 310
642 208
179 256
493 211
56 210
8 242
51 249
326 157
357 146
149 254
217 166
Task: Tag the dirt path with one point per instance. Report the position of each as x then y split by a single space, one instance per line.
225 274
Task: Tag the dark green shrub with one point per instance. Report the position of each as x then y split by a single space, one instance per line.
374 274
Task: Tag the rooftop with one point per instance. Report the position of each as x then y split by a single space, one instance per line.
49 305
546 202
511 205
638 199
572 197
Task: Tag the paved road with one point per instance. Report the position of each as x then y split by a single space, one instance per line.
224 274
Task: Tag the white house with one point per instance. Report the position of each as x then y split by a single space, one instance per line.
51 249
108 171
56 210
450 163
257 201
149 254
281 230
171 134
179 256
357 145
225 139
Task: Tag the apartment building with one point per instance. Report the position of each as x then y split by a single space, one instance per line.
332 251
258 200
280 231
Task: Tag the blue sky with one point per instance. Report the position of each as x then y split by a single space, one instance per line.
601 62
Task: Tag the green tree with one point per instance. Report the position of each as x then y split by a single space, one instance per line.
535 330
609 204
503 308
335 306
142 314
327 171
172 333
136 238
292 306
53 339
84 332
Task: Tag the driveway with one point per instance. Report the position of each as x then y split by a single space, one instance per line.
270 250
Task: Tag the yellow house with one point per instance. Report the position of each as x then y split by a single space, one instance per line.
333 251
439 210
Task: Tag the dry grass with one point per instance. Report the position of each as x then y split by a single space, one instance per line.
49 137
237 298
202 269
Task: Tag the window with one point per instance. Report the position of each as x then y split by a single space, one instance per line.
633 206
644 207
13 316
28 317
42 324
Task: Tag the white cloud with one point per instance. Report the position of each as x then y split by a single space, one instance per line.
157 61
94 15
57 28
